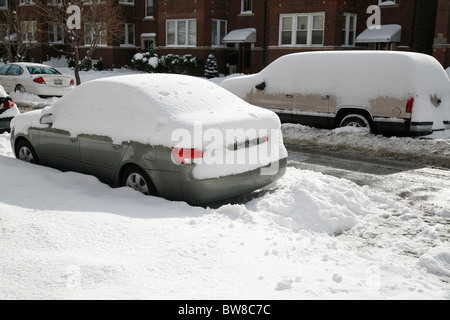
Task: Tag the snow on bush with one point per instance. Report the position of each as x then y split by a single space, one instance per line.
211 68
170 63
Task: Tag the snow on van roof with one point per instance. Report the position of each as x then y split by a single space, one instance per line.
353 77
148 108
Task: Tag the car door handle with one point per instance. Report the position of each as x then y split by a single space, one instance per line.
117 146
73 139
289 95
325 97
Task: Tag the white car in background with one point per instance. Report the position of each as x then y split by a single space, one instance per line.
8 110
35 78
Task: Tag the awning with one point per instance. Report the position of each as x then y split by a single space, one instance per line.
386 33
247 35
148 35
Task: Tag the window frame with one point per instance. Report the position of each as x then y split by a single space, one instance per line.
218 32
127 35
382 3
25 34
245 3
294 29
103 36
346 29
187 31
53 30
149 6
5 6
26 2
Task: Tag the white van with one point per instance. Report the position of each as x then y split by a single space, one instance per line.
393 93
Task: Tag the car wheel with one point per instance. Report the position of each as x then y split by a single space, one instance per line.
25 152
20 88
136 178
355 120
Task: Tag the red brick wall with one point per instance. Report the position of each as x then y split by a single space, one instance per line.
441 48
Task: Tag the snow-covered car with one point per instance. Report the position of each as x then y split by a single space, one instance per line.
178 137
8 110
393 93
34 78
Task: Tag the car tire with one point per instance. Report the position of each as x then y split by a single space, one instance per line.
25 152
355 120
137 179
20 88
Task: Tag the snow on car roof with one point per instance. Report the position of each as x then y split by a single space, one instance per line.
148 108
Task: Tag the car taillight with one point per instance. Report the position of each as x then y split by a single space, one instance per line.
39 80
409 105
186 156
6 104
72 83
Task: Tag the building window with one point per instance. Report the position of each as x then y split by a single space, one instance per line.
181 32
218 32
302 29
246 6
23 2
148 42
386 2
348 29
3 4
29 31
149 8
94 33
55 33
127 34
126 1
54 2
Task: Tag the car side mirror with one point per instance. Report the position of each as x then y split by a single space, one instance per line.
261 86
46 119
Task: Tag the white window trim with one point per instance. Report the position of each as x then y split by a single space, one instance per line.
246 11
294 29
127 2
221 44
146 16
347 30
100 44
54 30
54 3
176 33
5 7
127 40
33 31
387 3
26 2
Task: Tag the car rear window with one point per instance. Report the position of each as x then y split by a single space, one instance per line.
42 70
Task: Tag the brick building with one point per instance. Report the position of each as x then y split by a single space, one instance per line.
262 30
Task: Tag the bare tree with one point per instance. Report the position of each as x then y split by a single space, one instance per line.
99 23
18 33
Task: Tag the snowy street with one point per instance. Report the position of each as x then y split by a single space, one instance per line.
310 236
357 216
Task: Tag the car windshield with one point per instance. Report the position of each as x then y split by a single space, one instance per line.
42 70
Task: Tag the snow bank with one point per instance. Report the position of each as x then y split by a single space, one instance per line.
67 236
432 150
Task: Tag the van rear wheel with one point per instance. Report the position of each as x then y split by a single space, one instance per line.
355 120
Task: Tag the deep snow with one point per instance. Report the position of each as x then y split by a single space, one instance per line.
310 236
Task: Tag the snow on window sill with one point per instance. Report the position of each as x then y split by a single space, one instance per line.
149 18
246 14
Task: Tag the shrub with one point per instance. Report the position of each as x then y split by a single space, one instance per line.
170 63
